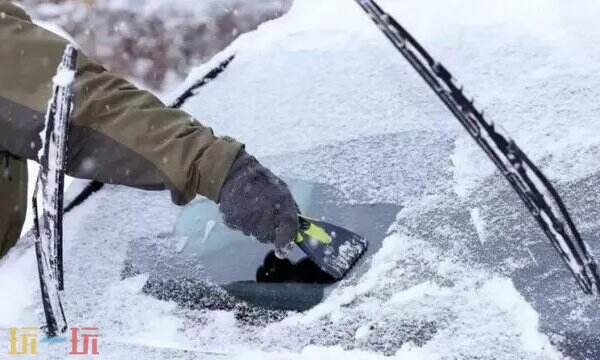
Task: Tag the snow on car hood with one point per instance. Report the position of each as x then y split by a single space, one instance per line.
321 96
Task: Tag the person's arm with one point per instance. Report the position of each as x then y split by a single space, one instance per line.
124 135
120 134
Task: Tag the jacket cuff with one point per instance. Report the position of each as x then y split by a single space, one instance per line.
214 166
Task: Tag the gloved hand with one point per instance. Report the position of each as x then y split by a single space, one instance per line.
258 203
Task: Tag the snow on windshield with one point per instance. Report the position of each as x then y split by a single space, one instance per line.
320 95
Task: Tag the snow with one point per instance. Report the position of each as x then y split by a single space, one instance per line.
64 78
202 9
379 297
18 275
362 332
16 278
414 292
479 224
321 95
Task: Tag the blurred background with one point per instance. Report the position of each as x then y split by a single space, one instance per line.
155 42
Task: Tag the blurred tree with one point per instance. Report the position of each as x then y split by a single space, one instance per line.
155 42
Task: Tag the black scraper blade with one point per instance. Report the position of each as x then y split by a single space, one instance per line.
333 248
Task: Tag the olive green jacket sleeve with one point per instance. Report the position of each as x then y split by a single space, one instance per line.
120 134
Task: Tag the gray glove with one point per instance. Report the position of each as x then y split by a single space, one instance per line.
258 203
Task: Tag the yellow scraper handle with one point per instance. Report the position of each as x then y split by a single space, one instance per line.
312 230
